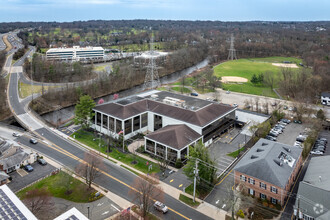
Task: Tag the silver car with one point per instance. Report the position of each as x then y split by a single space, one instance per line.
160 207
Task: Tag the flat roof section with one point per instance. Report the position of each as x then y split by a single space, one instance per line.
190 101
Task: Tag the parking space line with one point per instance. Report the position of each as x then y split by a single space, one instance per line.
115 208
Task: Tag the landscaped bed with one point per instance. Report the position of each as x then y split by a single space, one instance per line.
64 186
129 159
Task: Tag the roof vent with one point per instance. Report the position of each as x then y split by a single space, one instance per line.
254 157
278 162
287 149
260 150
264 144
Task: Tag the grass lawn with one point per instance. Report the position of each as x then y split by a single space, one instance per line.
188 201
235 153
277 59
246 68
126 158
56 187
44 50
25 89
179 88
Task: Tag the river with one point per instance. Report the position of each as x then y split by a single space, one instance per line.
66 114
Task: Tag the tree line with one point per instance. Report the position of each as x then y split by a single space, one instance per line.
125 75
4 109
55 71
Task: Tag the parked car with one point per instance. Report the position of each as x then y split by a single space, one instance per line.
28 168
297 121
228 92
271 138
235 105
323 139
273 134
297 144
317 152
15 134
285 107
42 161
286 120
193 94
160 207
33 141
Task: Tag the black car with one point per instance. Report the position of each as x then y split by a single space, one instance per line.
42 161
33 141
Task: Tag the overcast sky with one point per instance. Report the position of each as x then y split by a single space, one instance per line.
229 10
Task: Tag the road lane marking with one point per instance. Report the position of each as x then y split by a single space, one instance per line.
180 185
110 176
106 212
115 208
224 178
217 201
171 180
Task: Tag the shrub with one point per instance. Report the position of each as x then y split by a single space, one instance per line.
178 163
265 203
240 213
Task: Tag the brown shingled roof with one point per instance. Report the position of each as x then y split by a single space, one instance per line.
200 117
176 136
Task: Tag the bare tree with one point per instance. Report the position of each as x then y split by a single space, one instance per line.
217 95
269 79
256 101
145 190
90 167
38 200
265 107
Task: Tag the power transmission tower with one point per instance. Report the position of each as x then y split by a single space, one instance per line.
232 51
151 80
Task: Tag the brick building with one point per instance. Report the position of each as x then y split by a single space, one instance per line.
268 170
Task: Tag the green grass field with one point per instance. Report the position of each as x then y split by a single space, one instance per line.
179 88
246 68
54 185
127 158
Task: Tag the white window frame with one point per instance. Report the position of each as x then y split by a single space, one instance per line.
263 185
243 178
272 200
273 189
263 196
251 190
251 181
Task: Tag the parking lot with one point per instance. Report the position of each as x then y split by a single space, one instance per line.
324 134
290 133
21 178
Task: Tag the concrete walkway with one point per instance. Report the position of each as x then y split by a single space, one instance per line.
136 144
205 208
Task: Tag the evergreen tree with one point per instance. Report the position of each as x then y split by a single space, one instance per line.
83 111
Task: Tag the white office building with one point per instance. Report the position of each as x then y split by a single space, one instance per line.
173 121
76 53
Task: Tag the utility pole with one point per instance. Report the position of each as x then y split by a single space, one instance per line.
196 174
232 51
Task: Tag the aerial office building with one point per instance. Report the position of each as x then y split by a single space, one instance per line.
76 53
173 121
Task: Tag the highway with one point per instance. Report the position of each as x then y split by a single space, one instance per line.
114 178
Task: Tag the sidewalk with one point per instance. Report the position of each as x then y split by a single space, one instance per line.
136 144
205 208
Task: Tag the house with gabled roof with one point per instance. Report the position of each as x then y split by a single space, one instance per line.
162 113
268 170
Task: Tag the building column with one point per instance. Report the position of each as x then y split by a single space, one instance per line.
178 153
188 151
114 125
95 119
155 148
165 152
145 144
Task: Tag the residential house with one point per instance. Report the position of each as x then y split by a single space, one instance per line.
325 98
